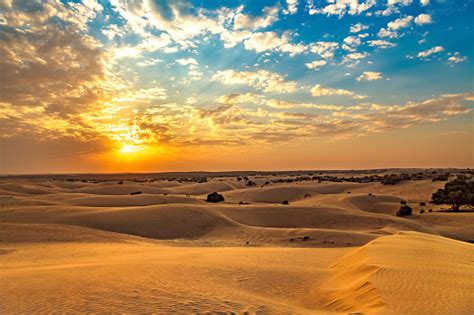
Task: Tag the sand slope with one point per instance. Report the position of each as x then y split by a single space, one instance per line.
407 273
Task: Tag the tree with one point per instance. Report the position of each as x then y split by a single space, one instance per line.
456 193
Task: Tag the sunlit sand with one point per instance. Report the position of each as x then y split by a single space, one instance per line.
87 244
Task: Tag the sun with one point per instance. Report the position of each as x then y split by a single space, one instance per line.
128 148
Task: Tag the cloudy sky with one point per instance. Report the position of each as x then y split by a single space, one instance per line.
156 85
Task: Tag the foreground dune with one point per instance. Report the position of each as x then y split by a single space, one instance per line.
399 274
406 273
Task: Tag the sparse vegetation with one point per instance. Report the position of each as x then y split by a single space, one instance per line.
404 210
215 197
456 193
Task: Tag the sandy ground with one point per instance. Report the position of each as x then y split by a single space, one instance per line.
74 246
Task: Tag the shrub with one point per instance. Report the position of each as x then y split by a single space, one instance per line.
404 211
215 197
285 202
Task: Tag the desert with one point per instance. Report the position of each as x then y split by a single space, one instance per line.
91 243
237 157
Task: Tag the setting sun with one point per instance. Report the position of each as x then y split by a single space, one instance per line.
128 148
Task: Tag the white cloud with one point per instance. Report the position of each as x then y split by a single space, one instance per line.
316 64
456 58
431 51
369 76
187 61
394 26
356 28
262 79
394 2
264 41
388 11
193 66
292 6
352 41
356 56
383 32
341 7
324 49
381 43
353 59
245 21
111 31
149 62
232 38
319 90
424 2
400 23
423 19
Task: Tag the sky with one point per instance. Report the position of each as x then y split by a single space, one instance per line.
155 85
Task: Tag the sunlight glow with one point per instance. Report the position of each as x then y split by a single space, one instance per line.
128 148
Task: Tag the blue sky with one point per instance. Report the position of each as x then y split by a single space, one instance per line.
405 76
111 78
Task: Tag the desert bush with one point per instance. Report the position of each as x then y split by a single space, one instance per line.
215 197
404 211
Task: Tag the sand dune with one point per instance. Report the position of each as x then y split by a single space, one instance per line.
405 273
376 203
278 193
336 248
387 276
